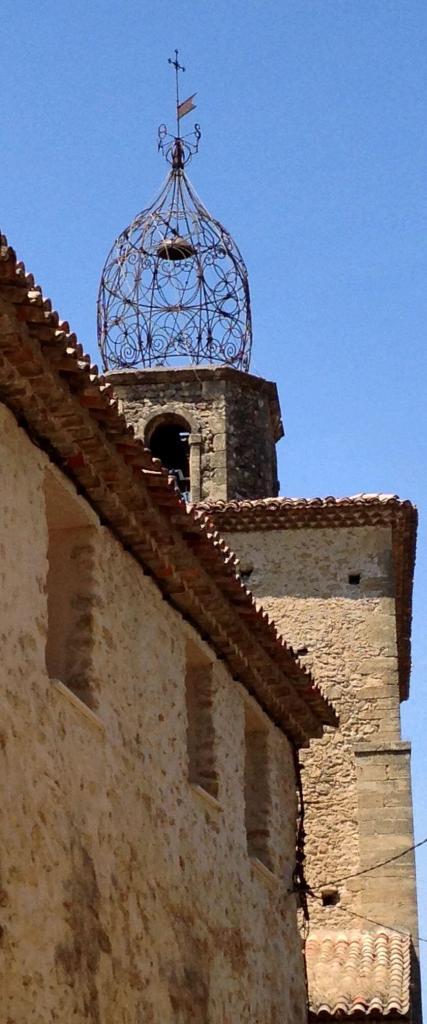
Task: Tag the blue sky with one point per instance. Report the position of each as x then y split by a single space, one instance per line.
313 155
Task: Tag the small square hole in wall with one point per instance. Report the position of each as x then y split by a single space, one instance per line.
354 579
330 896
246 570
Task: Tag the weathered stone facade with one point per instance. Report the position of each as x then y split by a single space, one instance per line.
346 632
233 418
151 714
333 593
126 892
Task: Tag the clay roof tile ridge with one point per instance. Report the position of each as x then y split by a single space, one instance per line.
224 564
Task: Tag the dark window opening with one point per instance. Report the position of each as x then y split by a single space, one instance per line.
258 804
246 575
70 584
301 651
169 443
354 579
199 693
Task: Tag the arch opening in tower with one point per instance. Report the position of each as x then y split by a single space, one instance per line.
169 442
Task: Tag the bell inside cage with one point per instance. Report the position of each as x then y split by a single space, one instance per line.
175 249
174 288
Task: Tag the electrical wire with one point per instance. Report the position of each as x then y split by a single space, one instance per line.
379 924
366 871
308 891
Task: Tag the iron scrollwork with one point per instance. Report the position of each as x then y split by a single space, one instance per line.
174 287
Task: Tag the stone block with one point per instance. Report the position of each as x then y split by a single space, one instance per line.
219 441
218 460
371 774
378 666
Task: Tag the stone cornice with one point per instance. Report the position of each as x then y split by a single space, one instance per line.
166 374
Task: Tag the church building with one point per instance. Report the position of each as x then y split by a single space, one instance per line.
207 799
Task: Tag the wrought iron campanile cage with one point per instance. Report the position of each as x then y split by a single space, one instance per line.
174 288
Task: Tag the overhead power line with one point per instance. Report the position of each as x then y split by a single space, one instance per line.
366 871
379 924
312 891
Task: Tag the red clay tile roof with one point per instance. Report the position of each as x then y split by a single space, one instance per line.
358 510
72 413
291 513
356 973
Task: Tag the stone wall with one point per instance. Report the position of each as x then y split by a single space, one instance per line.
229 414
251 448
386 828
357 779
126 893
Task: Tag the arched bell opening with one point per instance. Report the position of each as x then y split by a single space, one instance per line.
168 441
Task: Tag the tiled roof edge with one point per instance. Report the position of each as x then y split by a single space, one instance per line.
63 403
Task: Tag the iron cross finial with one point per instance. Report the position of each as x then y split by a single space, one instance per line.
178 67
175 64
178 149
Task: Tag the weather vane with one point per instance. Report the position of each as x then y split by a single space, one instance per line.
174 288
178 150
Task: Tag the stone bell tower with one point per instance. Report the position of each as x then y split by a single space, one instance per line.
334 574
175 334
218 415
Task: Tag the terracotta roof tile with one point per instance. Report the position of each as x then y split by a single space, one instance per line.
266 513
355 973
323 513
72 412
